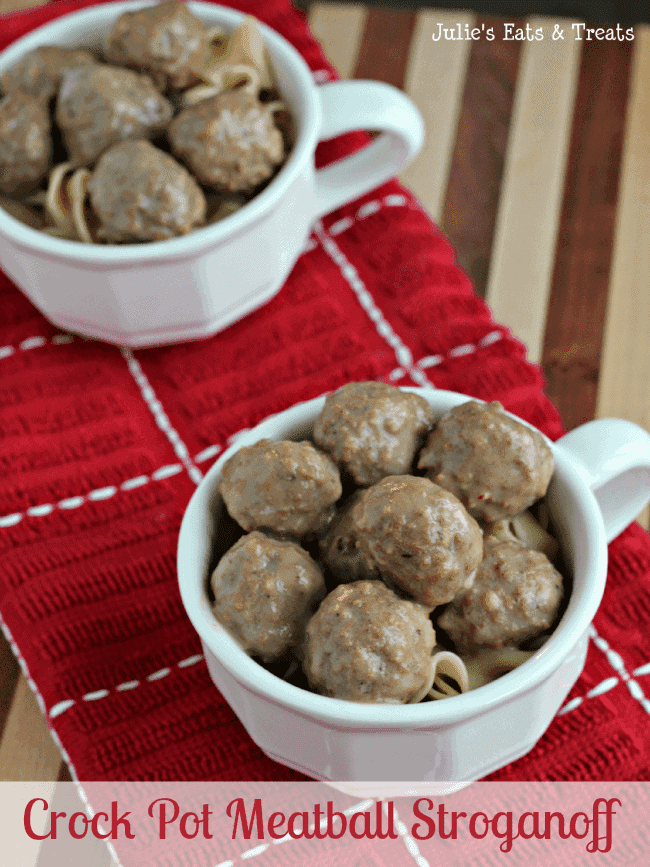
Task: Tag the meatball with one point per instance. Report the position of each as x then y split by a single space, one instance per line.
25 143
495 465
515 596
140 193
366 644
101 105
285 486
165 40
372 429
419 537
229 141
265 591
339 549
39 73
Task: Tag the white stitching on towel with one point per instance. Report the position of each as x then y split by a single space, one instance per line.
84 797
393 200
161 417
604 686
618 665
600 689
595 692
411 846
34 343
259 850
169 470
206 454
384 329
99 494
571 705
164 472
62 706
456 352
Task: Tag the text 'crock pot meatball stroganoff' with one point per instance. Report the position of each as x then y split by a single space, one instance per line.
173 126
395 558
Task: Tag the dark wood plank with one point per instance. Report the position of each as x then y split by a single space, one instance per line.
64 774
578 298
477 164
9 671
385 45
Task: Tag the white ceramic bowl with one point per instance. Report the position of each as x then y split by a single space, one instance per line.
190 287
601 481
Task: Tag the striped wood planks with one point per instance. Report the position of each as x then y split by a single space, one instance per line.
526 144
537 167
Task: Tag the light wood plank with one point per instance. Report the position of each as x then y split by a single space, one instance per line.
27 750
624 386
339 29
15 5
531 195
89 851
18 850
435 77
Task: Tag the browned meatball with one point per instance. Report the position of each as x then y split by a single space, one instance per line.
101 105
372 429
39 73
140 193
165 40
229 141
339 549
366 644
285 486
495 465
516 595
419 537
25 143
265 591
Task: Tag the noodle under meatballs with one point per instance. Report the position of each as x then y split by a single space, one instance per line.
101 105
495 465
140 193
166 40
25 143
229 141
287 486
366 644
515 596
419 537
372 429
265 591
40 72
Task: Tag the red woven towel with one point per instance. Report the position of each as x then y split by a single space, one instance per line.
101 449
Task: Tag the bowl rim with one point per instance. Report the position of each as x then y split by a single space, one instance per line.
345 714
200 239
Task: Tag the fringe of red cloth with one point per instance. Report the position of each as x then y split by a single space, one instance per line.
95 481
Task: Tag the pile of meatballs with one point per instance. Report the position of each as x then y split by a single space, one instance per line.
152 164
385 540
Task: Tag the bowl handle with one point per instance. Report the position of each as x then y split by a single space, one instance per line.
613 457
370 105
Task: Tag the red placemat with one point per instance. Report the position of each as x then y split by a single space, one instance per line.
101 450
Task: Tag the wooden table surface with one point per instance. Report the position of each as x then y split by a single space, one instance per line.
537 166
